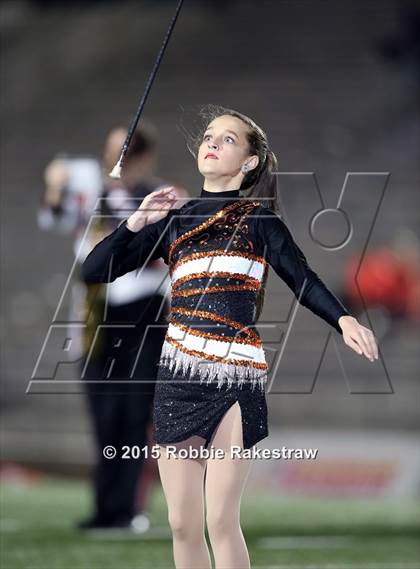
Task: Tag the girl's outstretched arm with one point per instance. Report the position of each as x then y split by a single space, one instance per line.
290 264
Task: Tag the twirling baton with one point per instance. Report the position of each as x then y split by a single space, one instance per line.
116 171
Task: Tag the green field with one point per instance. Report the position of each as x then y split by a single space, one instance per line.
37 532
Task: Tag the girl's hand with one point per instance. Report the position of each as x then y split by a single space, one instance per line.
358 337
154 207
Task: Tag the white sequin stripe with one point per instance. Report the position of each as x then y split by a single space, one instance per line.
228 350
225 263
192 366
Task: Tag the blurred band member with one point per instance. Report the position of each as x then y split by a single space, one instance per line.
117 316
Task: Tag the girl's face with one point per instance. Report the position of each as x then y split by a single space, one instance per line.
224 148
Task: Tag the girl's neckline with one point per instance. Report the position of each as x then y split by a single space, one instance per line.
222 194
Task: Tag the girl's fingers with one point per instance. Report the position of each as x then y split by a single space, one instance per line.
373 345
159 203
164 191
363 341
371 342
164 204
167 205
357 339
163 198
159 193
376 348
353 344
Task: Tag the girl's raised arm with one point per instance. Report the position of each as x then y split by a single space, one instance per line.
136 240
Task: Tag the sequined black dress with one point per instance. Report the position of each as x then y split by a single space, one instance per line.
218 248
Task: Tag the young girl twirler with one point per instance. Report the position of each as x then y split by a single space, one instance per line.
210 389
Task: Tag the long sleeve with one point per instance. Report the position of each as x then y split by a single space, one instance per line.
290 264
124 250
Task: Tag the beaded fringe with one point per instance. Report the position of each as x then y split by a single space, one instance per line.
175 359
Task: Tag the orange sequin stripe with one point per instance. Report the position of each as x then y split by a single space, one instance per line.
203 355
257 343
215 289
217 318
204 225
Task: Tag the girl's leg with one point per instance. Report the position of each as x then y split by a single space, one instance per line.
225 481
182 482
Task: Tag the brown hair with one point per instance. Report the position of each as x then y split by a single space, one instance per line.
145 139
